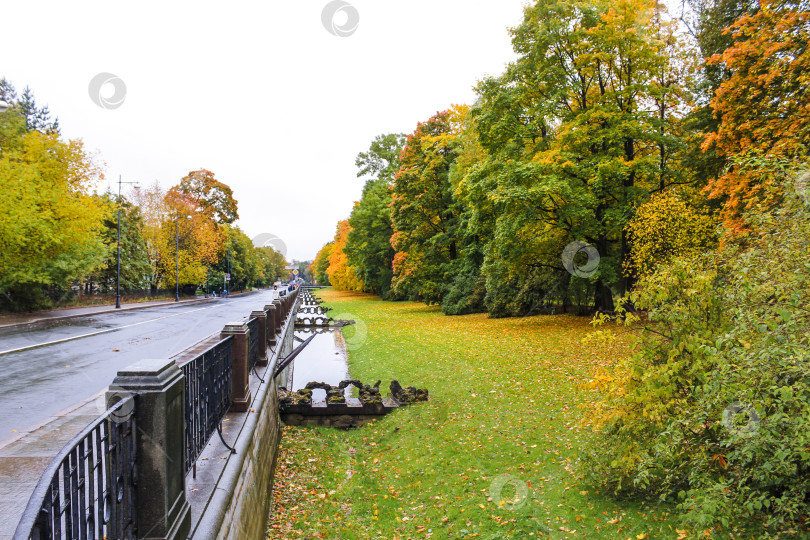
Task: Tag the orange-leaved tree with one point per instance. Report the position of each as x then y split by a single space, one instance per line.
342 276
210 196
764 106
189 236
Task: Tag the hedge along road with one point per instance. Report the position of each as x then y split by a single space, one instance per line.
66 361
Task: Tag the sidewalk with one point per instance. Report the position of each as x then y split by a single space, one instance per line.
10 320
24 456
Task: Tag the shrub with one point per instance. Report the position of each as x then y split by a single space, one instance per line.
713 407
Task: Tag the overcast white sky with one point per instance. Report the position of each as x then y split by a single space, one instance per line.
260 93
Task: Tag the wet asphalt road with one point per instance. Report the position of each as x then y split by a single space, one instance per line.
36 383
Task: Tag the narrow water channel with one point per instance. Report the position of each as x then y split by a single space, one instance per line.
324 360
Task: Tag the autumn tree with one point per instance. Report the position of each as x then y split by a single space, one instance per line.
50 223
423 212
764 105
319 266
154 210
369 243
189 236
669 225
707 20
342 276
200 210
706 411
579 130
210 196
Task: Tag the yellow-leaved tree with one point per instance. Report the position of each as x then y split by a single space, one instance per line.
320 265
50 222
189 239
670 224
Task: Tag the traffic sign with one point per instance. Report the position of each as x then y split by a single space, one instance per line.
295 272
227 277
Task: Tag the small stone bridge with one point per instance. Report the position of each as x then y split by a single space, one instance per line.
312 315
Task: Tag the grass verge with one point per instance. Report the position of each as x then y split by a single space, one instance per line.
493 454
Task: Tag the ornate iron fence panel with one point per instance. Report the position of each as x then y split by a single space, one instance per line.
253 344
88 490
208 395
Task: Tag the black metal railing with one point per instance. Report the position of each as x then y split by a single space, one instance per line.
253 343
88 490
208 395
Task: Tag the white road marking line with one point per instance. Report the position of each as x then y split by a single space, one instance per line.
72 338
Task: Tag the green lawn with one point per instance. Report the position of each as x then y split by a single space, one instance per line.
494 454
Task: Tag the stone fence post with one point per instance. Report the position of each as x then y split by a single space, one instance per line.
240 381
271 324
162 509
262 317
279 316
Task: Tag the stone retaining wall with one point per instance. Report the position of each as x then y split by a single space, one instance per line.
240 502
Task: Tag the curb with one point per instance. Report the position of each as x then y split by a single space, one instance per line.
52 418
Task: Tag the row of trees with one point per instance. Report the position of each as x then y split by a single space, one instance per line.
59 235
682 159
613 128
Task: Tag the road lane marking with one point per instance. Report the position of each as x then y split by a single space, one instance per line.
73 338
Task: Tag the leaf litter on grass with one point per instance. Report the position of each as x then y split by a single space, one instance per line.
504 401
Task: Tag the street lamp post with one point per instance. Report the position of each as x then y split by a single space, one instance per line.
118 258
226 282
177 257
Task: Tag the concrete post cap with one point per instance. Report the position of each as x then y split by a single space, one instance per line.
235 327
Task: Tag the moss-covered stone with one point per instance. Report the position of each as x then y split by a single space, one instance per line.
409 394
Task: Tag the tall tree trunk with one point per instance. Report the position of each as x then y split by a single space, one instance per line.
603 297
